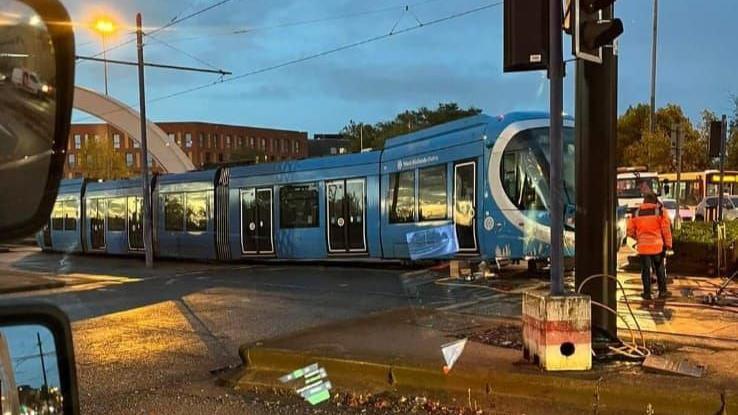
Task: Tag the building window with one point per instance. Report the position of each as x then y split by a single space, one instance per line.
342 150
220 157
263 144
284 145
298 206
72 160
240 142
136 144
200 139
402 197
173 212
251 142
296 148
207 157
116 140
129 159
228 141
197 212
117 214
334 150
188 140
432 200
77 141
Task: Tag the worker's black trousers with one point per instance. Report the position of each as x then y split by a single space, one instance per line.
655 262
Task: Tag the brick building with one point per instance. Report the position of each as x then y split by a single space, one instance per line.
204 143
328 145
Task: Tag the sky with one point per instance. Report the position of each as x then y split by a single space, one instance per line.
457 60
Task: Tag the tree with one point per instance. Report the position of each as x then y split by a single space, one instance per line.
99 160
652 150
374 136
634 138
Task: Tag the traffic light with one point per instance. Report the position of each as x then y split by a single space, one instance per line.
525 35
716 138
590 32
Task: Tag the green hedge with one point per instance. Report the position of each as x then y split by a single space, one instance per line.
702 232
695 247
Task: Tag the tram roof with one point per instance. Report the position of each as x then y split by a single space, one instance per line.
316 163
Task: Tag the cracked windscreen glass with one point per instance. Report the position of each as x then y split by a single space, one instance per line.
410 207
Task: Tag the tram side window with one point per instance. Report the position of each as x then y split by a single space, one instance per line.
298 206
402 197
117 214
173 212
71 208
432 199
57 216
197 212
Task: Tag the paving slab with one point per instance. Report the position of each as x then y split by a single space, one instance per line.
398 351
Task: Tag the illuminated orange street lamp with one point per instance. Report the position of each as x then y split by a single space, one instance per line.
104 26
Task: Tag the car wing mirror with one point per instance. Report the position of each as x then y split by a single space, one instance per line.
37 369
36 91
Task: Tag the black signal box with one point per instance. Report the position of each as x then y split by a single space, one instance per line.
525 35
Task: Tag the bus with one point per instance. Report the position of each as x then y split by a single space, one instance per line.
633 183
695 186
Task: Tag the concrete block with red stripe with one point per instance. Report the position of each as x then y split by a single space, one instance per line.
557 331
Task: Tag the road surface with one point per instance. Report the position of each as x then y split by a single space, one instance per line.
146 341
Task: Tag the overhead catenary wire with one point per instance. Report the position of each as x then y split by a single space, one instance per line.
317 54
330 51
296 23
189 55
166 26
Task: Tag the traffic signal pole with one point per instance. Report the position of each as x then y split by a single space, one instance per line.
596 232
556 80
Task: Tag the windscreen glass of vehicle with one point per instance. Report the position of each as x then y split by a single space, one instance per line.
27 110
637 186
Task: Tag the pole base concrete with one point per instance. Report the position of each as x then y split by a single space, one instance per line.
557 331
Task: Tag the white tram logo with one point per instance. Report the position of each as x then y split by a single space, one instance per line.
401 164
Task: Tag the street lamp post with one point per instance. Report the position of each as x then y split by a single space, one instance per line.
104 27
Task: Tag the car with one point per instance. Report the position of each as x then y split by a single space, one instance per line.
29 81
670 206
707 208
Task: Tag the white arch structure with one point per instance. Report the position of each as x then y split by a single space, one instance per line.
124 118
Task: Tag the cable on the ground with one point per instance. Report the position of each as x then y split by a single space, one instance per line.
442 281
632 349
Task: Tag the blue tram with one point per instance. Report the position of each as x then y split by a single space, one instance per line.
484 176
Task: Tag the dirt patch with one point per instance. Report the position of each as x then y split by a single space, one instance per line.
286 401
505 335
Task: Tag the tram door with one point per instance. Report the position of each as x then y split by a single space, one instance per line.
256 221
465 189
346 224
135 223
47 234
97 223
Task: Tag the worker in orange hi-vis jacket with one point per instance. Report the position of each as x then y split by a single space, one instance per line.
651 228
